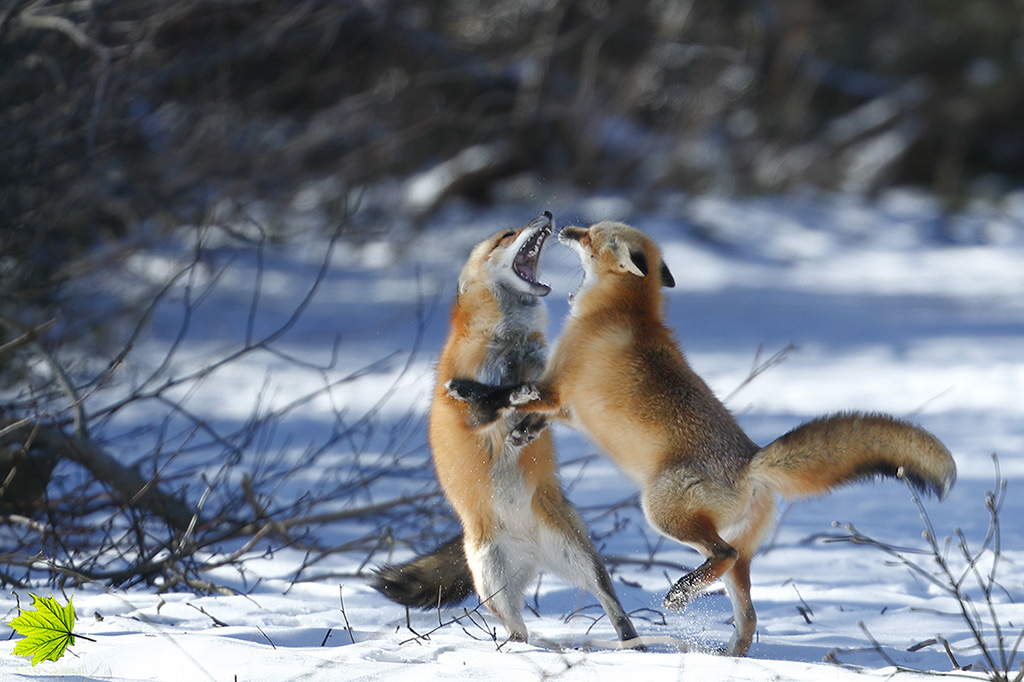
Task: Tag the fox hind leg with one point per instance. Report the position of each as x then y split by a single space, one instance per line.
737 584
679 509
759 517
720 558
684 516
570 554
604 591
501 574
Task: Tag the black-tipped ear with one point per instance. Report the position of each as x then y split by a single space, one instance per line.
639 260
667 280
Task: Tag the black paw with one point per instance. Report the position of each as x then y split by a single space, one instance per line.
485 401
677 598
522 394
464 390
527 430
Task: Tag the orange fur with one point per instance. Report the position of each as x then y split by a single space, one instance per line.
619 375
463 456
514 516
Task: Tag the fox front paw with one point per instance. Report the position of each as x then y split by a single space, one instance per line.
527 430
522 394
484 402
458 389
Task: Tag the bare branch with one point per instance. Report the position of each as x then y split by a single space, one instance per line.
760 367
27 337
132 488
63 381
999 655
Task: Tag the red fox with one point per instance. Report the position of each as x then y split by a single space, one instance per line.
618 375
514 515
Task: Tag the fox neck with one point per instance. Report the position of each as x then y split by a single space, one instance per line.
516 349
640 296
510 326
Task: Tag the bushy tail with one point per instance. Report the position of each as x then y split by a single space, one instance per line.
440 578
846 448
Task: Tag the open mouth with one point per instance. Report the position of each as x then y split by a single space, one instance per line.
526 262
573 237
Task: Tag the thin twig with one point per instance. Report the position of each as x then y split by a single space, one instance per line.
348 626
760 367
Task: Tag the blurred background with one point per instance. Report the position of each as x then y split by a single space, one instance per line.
124 117
158 155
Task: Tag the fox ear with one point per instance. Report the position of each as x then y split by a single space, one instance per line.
630 261
639 261
667 280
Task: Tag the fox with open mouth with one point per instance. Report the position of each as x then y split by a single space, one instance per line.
506 492
619 376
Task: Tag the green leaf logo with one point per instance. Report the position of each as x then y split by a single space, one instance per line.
47 630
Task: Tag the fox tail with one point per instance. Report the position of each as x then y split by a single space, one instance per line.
440 578
846 448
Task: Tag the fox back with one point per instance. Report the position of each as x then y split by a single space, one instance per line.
621 371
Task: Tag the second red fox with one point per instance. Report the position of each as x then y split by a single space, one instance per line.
514 516
619 376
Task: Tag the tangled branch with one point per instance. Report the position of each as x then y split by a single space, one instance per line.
999 648
196 496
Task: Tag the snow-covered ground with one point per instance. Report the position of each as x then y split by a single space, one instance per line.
890 307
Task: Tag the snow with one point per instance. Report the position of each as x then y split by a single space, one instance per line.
887 310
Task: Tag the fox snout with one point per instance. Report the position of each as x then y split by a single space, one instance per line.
572 233
545 218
